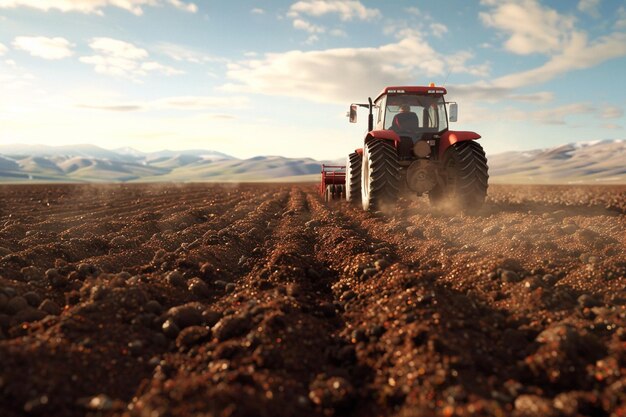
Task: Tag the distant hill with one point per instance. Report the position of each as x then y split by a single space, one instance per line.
89 163
601 162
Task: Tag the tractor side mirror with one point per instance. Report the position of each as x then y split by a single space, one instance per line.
352 113
454 112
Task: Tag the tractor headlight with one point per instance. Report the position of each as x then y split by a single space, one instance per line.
421 149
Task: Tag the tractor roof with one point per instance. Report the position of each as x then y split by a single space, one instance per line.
412 90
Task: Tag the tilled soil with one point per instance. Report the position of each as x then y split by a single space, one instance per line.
261 300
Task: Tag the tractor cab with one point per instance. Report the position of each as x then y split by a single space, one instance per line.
414 112
410 114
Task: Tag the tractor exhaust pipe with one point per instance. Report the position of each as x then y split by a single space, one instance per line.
370 117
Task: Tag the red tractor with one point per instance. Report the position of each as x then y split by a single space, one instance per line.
409 149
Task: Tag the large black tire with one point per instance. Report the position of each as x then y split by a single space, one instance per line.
380 175
353 178
465 174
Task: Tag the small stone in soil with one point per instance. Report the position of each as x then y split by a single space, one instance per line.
175 279
185 315
210 317
191 336
229 327
100 402
510 276
136 347
588 301
153 307
33 298
199 287
491 230
170 329
16 304
50 307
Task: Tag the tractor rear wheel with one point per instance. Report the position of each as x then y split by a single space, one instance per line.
465 175
353 178
328 195
380 179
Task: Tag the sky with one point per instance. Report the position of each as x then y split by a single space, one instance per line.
257 77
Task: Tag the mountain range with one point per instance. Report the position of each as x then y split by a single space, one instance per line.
597 162
588 162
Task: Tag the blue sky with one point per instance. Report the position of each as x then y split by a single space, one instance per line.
250 78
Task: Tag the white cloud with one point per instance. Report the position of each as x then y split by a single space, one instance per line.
578 54
3 49
552 116
123 59
257 10
590 7
557 115
458 63
548 116
42 47
170 103
185 53
203 102
621 18
338 32
188 7
343 74
311 39
95 6
17 92
346 9
414 11
153 66
438 29
307 26
414 21
486 92
612 112
532 27
117 48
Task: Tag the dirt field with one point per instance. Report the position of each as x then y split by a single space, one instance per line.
260 300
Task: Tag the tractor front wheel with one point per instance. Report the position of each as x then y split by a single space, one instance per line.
380 179
353 178
465 175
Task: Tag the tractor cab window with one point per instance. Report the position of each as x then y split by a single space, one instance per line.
413 113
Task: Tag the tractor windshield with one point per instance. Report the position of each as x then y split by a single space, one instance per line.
415 113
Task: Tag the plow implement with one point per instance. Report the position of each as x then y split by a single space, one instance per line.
333 185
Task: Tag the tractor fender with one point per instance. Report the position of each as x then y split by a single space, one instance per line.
388 135
451 137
